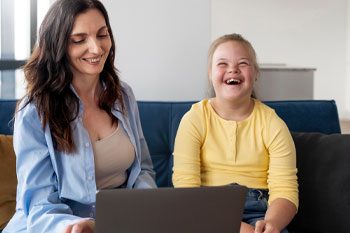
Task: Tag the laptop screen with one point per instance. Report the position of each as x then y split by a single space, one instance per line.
170 210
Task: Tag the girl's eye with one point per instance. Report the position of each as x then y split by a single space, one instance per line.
244 63
222 64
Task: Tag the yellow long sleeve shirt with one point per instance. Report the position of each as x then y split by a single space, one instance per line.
257 152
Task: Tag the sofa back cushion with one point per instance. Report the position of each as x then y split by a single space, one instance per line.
308 115
8 180
160 121
323 163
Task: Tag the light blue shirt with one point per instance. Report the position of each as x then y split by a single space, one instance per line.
56 189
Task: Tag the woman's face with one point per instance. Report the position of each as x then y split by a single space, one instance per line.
89 44
232 71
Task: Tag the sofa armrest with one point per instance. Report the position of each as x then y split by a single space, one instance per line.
324 182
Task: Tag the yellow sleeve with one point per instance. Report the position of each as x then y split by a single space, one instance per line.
188 142
282 173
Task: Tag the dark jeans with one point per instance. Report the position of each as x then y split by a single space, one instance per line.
255 206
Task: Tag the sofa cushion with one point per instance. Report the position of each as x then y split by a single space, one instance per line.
323 163
7 109
8 180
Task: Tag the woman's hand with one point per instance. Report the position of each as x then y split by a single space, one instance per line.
85 226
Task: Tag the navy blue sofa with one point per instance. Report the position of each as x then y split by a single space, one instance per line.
316 130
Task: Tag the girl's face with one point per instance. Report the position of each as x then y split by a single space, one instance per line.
89 44
232 71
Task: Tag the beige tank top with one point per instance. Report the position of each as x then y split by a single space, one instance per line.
113 156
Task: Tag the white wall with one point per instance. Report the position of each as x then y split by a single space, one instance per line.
162 46
295 32
347 83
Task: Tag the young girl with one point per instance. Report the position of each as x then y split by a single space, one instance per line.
234 138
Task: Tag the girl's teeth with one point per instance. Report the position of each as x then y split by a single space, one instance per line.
233 81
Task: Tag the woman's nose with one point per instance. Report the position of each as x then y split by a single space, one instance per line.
94 46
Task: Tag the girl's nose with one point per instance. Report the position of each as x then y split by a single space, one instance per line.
233 69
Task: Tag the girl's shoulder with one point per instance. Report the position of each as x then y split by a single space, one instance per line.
264 110
200 108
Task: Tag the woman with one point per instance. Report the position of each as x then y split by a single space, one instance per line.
234 138
77 130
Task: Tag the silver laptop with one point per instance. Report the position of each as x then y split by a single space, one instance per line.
170 210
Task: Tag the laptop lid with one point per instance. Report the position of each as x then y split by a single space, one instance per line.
170 210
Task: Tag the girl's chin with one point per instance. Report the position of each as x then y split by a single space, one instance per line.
234 98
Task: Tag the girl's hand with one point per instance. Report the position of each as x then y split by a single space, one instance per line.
84 226
246 228
263 226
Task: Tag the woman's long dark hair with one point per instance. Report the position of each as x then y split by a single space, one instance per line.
48 73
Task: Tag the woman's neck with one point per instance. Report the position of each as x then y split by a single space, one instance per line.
87 89
234 111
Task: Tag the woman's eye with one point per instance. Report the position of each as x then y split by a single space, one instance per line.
103 35
78 41
222 64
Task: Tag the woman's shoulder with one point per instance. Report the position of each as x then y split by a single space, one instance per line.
27 116
124 85
26 108
126 88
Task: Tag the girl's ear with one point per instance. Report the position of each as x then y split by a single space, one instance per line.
209 74
210 89
257 74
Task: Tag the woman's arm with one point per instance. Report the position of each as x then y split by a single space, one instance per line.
146 178
85 226
37 188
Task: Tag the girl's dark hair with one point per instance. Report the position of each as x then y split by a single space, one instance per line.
49 76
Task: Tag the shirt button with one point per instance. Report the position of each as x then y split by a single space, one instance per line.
87 144
90 177
91 214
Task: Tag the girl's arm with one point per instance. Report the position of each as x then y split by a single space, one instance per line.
187 164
